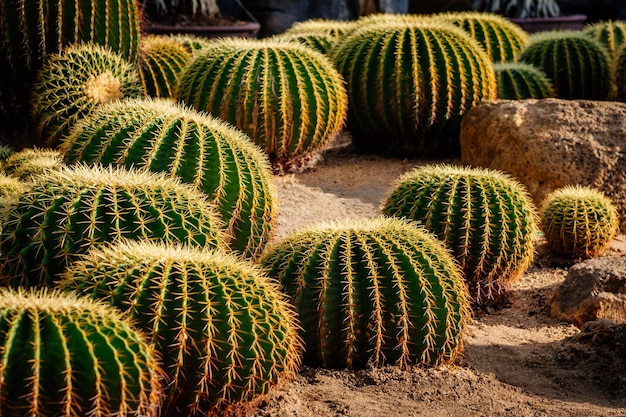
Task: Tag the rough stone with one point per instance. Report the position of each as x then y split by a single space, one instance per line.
593 289
547 144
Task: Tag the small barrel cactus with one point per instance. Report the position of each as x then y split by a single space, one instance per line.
319 34
320 42
577 65
65 212
501 38
379 291
485 217
224 331
409 81
611 34
65 356
75 82
199 149
519 81
32 161
578 222
161 61
288 98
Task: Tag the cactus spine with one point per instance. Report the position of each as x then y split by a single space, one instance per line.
66 356
379 291
484 217
578 222
501 39
161 60
65 212
409 81
201 150
519 81
224 331
288 98
75 82
577 65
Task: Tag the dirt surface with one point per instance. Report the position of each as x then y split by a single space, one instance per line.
517 361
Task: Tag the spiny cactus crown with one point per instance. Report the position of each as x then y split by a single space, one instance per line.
519 81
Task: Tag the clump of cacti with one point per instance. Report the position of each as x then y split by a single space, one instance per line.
66 356
379 291
201 150
577 64
75 82
31 161
224 331
65 212
578 222
405 98
484 217
519 81
288 98
161 60
501 39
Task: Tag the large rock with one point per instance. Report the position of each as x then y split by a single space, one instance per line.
547 144
593 289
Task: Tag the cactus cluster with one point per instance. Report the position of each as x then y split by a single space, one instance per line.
577 64
201 150
288 98
28 162
75 82
409 81
65 212
161 60
578 222
376 292
224 331
519 81
484 217
501 39
66 356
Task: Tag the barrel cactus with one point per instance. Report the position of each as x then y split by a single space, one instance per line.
32 161
66 356
578 222
501 39
484 217
161 61
577 65
65 212
75 82
11 186
224 331
409 81
216 158
288 98
319 34
320 42
379 291
611 34
519 81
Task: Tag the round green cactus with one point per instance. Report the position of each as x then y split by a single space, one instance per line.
409 81
161 61
66 212
288 98
75 82
519 81
66 356
320 42
216 158
32 161
611 34
578 222
319 34
224 331
501 39
577 65
485 217
379 291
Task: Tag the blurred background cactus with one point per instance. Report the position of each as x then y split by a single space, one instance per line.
578 222
484 217
376 292
199 149
519 81
223 329
66 356
611 34
288 98
161 60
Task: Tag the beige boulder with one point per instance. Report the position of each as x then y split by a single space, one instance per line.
547 144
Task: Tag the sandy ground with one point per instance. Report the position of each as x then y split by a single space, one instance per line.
517 361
